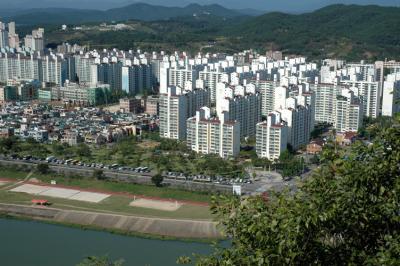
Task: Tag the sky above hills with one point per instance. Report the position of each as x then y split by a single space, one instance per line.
265 5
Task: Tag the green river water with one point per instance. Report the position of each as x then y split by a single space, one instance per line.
30 243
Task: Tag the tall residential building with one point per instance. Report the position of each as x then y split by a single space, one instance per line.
170 76
370 93
173 113
348 112
267 89
391 95
271 137
83 68
338 106
243 104
213 135
212 78
3 38
35 41
176 106
137 79
13 38
54 70
299 122
109 73
325 95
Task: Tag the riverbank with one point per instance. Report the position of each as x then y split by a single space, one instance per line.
158 228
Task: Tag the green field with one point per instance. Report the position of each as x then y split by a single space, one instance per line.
90 183
12 174
113 204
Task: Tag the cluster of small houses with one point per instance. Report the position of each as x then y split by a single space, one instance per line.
344 139
47 124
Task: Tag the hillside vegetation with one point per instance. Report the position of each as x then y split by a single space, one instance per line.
349 32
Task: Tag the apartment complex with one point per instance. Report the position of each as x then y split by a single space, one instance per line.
176 106
213 135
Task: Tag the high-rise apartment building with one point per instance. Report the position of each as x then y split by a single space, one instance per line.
176 106
212 78
391 95
370 93
339 106
271 137
213 135
348 112
243 104
299 122
137 79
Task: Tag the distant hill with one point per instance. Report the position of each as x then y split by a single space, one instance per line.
349 32
137 11
334 30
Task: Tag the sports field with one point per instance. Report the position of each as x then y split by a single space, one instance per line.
63 193
156 204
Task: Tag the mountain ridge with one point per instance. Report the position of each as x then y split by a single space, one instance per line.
135 11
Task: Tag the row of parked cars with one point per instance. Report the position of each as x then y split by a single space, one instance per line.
207 179
54 160
141 169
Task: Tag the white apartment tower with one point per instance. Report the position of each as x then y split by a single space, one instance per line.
176 106
173 114
211 79
348 112
243 103
271 137
298 119
213 135
370 92
391 95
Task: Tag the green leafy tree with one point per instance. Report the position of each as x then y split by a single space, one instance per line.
99 174
347 213
157 180
43 168
83 151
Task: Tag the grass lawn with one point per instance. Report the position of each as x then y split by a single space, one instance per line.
86 183
12 174
113 204
146 190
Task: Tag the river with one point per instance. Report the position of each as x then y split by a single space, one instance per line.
30 243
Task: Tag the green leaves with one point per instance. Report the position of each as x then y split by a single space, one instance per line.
347 213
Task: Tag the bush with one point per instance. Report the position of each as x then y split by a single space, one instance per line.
99 175
157 180
43 168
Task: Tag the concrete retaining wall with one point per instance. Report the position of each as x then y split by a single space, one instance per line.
145 225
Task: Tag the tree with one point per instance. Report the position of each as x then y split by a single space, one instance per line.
99 174
100 261
347 213
83 150
43 168
157 180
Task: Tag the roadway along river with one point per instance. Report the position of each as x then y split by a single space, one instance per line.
29 243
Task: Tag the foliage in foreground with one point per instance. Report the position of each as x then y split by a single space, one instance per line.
347 214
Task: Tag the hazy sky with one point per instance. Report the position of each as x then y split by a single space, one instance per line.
267 5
